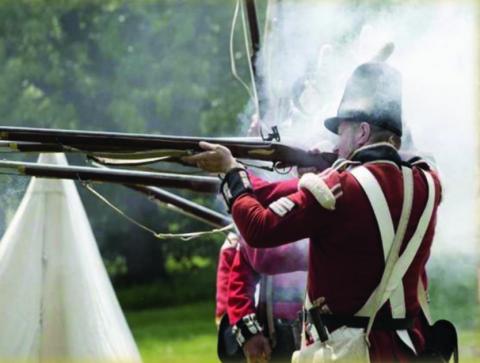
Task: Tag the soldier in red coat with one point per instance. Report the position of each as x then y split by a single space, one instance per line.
225 261
268 285
336 209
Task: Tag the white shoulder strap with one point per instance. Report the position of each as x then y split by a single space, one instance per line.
405 260
423 301
373 304
377 200
382 213
396 266
383 217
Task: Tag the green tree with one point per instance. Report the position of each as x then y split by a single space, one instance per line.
146 66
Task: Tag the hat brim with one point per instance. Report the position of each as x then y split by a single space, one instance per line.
332 124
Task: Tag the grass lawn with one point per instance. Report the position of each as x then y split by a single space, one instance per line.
469 345
187 334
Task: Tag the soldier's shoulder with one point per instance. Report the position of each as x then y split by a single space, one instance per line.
326 187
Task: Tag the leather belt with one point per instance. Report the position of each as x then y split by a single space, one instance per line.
362 322
322 322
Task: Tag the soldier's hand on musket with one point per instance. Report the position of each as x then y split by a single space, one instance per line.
257 349
215 159
310 169
316 150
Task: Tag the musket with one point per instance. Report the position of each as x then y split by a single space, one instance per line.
203 184
116 145
184 206
179 204
134 181
163 197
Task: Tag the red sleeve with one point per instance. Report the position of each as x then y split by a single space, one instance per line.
225 261
241 288
261 226
266 192
256 181
291 210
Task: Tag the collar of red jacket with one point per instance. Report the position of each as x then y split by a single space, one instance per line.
377 152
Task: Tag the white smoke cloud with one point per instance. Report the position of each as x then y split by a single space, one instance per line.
313 47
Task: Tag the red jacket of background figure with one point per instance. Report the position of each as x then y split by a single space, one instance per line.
286 265
225 260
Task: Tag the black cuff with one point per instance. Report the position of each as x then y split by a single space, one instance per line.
234 184
246 328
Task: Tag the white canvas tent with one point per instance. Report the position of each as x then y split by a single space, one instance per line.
56 300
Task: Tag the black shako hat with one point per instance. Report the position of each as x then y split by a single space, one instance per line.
373 94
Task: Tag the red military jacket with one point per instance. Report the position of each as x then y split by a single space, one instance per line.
346 259
225 261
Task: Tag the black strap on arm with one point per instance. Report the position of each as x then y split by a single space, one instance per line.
234 184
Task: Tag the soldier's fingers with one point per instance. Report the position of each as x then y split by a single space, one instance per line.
187 160
214 147
325 309
200 156
201 164
207 166
267 350
319 301
207 146
255 355
191 159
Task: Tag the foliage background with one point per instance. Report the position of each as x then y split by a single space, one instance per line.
149 67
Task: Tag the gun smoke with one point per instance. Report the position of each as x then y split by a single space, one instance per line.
311 48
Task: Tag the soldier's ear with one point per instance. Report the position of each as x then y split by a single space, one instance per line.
363 132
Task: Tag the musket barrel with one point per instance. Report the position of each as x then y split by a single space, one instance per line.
203 184
114 139
185 206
